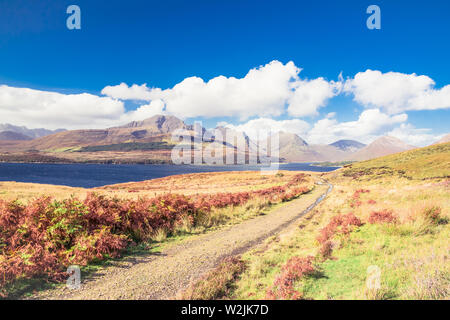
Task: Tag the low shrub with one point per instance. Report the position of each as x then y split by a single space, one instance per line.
326 250
295 269
432 215
383 216
340 224
45 236
427 220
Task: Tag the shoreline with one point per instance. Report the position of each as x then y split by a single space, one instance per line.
87 176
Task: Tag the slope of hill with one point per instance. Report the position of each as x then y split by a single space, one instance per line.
423 163
445 139
381 147
153 136
393 222
154 129
348 145
292 148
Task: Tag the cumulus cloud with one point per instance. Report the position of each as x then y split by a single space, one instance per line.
308 96
124 92
370 124
257 128
265 91
414 136
271 90
156 107
52 110
397 92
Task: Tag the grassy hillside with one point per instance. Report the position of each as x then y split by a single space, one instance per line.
387 220
425 163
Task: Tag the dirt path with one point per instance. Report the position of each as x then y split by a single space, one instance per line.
162 276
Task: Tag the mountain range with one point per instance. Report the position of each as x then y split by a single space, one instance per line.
152 137
11 132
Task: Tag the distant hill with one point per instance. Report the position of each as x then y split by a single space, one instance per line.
154 129
292 148
13 136
381 147
158 123
445 139
421 163
24 131
288 140
153 136
348 145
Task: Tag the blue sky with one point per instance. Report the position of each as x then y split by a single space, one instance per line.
161 43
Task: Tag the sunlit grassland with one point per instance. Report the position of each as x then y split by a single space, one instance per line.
412 254
425 163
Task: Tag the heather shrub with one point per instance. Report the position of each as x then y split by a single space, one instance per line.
326 250
294 269
383 216
355 199
432 215
340 224
45 236
427 221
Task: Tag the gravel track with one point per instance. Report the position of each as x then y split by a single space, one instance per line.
163 275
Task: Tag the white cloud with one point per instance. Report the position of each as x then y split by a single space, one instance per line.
143 112
271 90
370 124
311 95
52 110
123 92
263 92
258 128
397 92
413 136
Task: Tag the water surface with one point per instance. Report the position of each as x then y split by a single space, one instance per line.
96 175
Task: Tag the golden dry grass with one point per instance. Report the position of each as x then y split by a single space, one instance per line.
412 254
187 184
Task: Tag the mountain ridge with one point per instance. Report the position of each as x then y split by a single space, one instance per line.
31 133
382 146
159 129
348 145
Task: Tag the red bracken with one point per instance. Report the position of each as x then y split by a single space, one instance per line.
45 236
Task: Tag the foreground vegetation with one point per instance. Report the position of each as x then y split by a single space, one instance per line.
44 236
386 221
